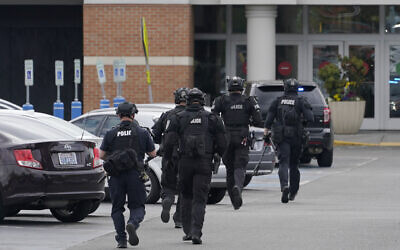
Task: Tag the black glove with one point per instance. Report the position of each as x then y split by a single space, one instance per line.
216 163
267 138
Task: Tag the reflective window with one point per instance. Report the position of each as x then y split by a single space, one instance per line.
392 19
394 81
367 91
239 22
89 123
111 122
209 66
286 61
323 55
343 19
209 19
289 19
241 61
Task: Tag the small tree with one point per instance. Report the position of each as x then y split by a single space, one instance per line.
344 83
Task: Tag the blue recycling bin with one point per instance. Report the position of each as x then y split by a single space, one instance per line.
27 106
118 100
58 110
104 103
76 109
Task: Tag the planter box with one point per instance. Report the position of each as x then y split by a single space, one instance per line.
347 116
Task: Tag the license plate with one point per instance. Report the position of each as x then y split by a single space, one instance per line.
67 158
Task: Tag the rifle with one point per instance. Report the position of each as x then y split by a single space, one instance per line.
269 143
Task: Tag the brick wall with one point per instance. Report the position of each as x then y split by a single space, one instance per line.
114 30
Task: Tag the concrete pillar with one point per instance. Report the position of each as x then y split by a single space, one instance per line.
260 42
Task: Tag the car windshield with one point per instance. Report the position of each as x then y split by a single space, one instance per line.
24 128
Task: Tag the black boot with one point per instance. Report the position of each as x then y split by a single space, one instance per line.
285 193
292 196
187 237
196 240
121 242
166 207
237 197
133 238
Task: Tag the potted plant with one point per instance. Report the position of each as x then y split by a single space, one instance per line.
343 85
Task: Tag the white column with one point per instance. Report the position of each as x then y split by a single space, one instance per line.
261 42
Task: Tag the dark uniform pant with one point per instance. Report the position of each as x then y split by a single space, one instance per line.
289 155
195 179
235 159
169 183
127 184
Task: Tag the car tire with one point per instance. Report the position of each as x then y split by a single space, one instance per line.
75 213
95 206
305 159
2 211
153 188
325 159
247 179
216 195
12 212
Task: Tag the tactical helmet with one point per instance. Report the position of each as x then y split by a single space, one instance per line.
180 95
195 95
290 85
235 83
126 109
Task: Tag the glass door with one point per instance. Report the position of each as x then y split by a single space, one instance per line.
391 87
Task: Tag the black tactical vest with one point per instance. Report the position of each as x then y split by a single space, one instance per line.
125 137
235 111
289 111
195 137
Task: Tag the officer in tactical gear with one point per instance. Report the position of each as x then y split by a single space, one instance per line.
127 182
238 112
200 134
169 176
286 116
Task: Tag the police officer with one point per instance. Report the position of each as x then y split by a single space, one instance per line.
128 183
238 112
169 176
200 135
286 115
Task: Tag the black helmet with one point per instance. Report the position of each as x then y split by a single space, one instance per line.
180 95
126 109
195 95
290 85
235 83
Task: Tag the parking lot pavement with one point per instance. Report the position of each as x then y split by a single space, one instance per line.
348 206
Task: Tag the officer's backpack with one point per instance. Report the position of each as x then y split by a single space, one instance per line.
195 136
124 159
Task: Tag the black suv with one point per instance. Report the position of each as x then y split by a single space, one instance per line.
320 144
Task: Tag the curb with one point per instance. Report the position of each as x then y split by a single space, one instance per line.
351 143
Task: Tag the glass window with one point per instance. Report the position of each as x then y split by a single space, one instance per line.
286 61
209 66
367 54
289 19
241 61
209 19
323 55
343 19
111 122
394 82
239 22
392 19
89 123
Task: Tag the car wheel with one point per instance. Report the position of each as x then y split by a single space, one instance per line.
95 206
74 213
153 188
305 159
2 211
247 179
325 158
12 212
216 195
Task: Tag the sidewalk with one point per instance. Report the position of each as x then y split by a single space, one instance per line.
369 138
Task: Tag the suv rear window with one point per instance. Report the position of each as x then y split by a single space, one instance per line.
267 94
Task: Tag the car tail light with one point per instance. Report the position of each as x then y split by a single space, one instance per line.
25 159
327 115
96 159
